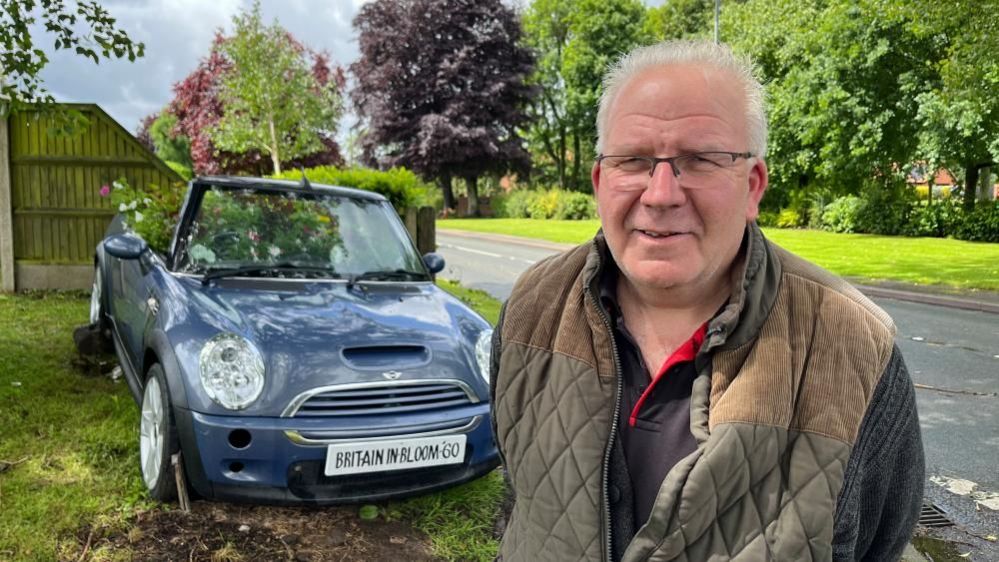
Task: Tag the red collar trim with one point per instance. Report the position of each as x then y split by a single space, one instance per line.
686 352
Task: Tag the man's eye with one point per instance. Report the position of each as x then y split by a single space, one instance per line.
702 162
633 164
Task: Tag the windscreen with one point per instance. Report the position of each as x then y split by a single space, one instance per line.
237 228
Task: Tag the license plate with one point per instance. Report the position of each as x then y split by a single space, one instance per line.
378 456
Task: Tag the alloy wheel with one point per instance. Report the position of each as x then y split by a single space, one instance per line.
95 298
152 429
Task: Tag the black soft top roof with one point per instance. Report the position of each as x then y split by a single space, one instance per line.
239 182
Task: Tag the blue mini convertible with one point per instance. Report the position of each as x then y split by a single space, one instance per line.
292 347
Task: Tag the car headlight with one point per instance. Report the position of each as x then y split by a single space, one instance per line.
232 371
483 351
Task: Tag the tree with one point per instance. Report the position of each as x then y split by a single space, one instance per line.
157 132
842 82
679 19
441 89
21 61
959 111
574 42
271 100
198 109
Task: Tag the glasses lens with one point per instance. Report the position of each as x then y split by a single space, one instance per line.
704 163
628 164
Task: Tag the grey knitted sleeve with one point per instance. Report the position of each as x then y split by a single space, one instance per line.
879 503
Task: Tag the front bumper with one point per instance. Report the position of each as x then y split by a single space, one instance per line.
283 461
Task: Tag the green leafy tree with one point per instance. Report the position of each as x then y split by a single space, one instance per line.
843 79
959 111
272 101
159 133
574 42
21 61
679 19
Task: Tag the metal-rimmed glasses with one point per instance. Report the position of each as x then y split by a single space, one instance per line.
696 169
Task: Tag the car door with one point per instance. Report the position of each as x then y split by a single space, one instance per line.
128 304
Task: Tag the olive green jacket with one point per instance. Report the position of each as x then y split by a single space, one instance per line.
785 376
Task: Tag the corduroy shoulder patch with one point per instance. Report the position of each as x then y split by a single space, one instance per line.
548 311
817 360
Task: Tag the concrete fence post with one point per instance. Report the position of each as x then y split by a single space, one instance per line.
6 212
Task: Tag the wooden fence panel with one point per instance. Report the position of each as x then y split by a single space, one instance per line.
58 215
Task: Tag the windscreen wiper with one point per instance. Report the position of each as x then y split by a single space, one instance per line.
285 266
387 275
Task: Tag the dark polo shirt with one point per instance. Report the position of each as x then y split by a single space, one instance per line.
654 424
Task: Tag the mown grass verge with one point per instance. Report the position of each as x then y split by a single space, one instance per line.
69 452
460 521
948 264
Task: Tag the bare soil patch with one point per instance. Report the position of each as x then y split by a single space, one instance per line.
219 532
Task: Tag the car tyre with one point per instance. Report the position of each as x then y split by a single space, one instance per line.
157 437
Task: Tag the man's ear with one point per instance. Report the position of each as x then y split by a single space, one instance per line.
595 177
758 181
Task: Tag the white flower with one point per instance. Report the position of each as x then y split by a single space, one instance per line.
117 185
274 251
133 204
138 216
122 207
147 201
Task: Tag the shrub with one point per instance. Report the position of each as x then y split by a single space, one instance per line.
151 212
841 214
767 218
981 224
517 204
789 218
497 203
400 186
182 170
573 205
544 204
883 212
932 219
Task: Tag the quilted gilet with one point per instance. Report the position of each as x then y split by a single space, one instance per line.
784 380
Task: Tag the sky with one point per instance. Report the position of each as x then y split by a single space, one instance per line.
177 34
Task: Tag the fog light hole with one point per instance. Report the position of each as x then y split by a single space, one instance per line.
239 438
235 466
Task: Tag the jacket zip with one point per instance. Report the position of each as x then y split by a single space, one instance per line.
608 552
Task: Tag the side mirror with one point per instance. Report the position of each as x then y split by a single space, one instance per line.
434 262
125 246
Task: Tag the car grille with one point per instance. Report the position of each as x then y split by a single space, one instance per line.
395 397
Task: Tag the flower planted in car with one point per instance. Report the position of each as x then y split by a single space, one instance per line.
150 212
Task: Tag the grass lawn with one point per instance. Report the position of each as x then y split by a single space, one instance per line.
950 264
69 451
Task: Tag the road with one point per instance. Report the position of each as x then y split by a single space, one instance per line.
945 350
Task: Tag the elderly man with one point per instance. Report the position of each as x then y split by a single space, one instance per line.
680 388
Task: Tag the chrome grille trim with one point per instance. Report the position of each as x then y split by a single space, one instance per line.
358 437
401 387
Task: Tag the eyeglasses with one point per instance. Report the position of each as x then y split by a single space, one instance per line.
694 170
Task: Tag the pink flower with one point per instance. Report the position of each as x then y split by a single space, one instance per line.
105 190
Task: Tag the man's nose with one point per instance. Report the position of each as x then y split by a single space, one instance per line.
664 188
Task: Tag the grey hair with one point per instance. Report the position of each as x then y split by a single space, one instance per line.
698 52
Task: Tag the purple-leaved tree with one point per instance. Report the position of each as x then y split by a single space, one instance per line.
440 89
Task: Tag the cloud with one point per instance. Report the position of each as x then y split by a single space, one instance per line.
177 34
